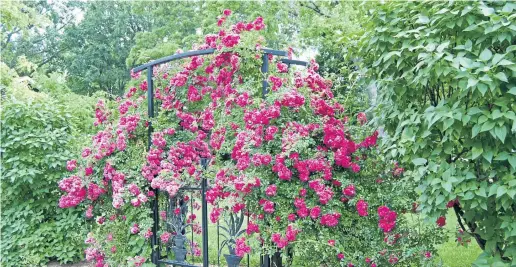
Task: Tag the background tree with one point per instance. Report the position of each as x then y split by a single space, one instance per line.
328 28
99 46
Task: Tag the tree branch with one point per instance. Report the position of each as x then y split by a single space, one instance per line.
464 150
472 226
459 218
314 8
9 35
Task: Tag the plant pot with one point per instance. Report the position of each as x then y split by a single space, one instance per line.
232 260
179 241
179 254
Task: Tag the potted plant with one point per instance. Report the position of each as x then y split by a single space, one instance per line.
231 232
177 223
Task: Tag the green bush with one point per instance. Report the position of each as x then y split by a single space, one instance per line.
445 74
38 134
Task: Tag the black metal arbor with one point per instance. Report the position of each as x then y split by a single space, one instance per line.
179 200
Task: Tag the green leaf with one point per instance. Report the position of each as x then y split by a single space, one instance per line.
488 155
465 62
482 88
501 76
505 62
475 130
512 91
481 192
465 119
482 119
485 78
487 11
442 46
501 191
439 199
512 161
472 82
497 58
423 19
492 189
486 55
488 125
419 161
471 28
476 151
469 195
474 110
501 132
447 123
447 186
496 114
511 193
502 156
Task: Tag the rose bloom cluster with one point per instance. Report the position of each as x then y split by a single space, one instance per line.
264 137
298 138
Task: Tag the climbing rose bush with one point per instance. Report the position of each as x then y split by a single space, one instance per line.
306 173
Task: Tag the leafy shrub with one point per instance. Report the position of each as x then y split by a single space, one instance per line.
37 137
445 73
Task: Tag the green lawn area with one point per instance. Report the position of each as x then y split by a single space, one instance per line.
453 255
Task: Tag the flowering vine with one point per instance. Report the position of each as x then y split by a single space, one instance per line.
291 159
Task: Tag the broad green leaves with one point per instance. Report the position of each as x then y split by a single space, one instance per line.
485 55
38 134
501 76
456 74
419 161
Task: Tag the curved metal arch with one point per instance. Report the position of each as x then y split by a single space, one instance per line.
211 51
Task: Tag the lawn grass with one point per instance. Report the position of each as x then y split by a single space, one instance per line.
453 255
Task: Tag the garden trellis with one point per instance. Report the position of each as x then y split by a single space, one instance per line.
265 261
239 130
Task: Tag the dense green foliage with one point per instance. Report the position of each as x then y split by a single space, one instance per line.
21 32
35 136
40 131
445 73
97 48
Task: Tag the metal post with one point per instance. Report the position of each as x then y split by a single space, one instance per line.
155 214
265 69
265 259
191 211
205 262
218 241
248 226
